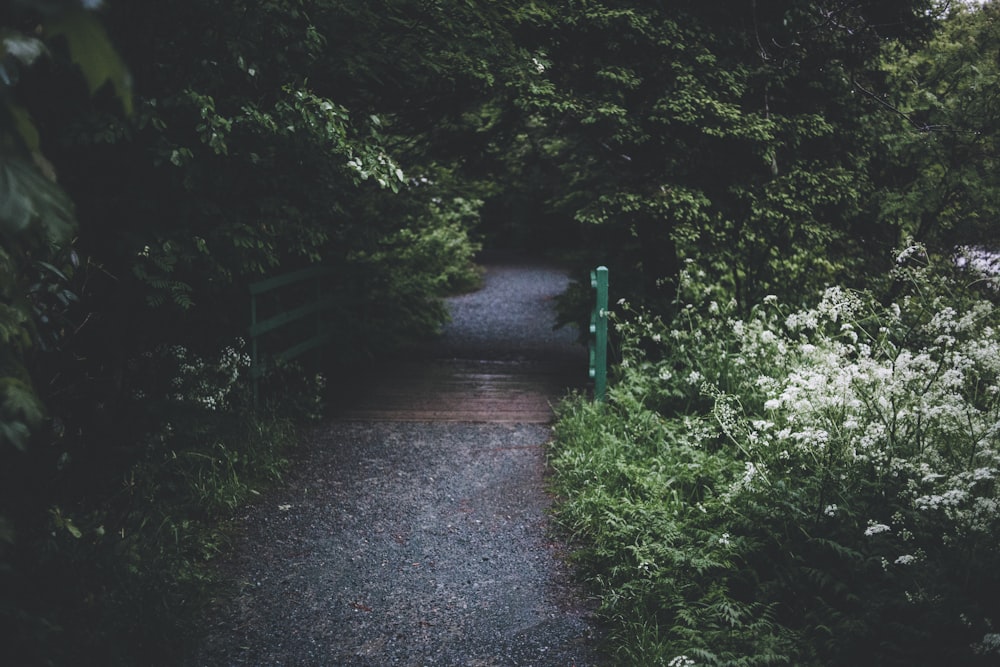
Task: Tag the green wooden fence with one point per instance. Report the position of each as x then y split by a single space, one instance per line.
599 332
300 305
303 299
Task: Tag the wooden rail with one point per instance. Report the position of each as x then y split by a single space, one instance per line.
314 304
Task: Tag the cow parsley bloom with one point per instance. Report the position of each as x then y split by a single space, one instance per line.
876 528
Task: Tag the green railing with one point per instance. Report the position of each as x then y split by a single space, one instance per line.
299 298
301 304
599 332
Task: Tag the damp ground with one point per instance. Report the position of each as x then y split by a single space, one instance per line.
418 533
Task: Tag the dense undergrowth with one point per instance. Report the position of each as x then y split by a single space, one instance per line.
809 486
155 161
112 564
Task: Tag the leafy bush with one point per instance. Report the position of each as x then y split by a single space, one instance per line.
815 487
108 562
257 141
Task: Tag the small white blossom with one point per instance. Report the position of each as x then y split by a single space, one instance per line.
950 498
990 644
980 474
906 253
876 528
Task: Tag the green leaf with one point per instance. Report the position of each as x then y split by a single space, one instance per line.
72 529
27 196
52 269
13 331
20 408
65 522
19 402
14 433
23 126
90 48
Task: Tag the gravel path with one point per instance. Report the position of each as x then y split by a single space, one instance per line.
418 542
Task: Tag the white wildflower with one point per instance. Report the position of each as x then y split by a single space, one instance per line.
950 498
980 474
906 253
990 644
876 528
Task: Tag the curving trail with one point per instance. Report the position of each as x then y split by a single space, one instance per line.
413 529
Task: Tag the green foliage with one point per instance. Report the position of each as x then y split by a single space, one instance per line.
808 487
36 217
91 50
375 137
135 552
259 140
727 133
936 163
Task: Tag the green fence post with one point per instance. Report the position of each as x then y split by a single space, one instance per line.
599 332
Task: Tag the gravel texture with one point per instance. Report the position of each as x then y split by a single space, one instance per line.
511 317
417 542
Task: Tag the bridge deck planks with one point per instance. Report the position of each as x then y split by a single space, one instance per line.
459 390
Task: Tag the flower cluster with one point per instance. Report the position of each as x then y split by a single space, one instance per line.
208 383
861 431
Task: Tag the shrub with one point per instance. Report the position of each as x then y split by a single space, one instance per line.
815 487
108 561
